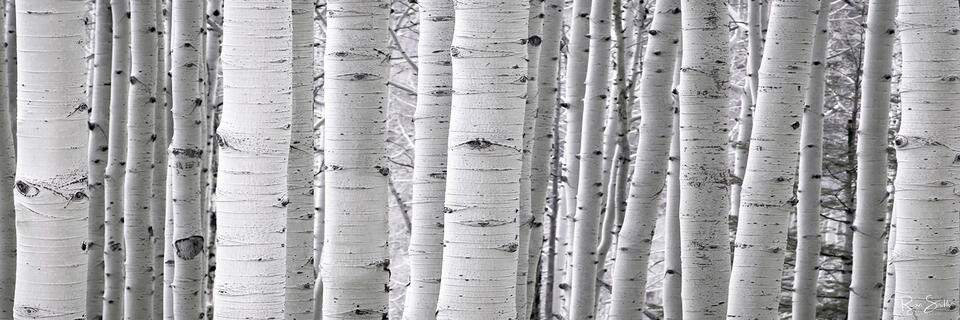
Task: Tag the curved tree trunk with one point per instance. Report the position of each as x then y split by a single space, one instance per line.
646 183
866 288
355 262
98 140
925 196
767 197
481 204
432 123
50 188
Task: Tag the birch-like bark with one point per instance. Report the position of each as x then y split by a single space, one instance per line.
479 272
647 181
355 263
158 204
807 265
318 193
767 197
432 123
925 190
113 252
254 147
890 280
672 287
10 36
8 231
169 253
866 287
186 149
298 302
97 153
50 188
742 145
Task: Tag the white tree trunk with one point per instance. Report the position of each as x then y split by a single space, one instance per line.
742 145
254 147
432 123
158 206
481 204
807 265
890 280
10 36
672 287
647 181
866 287
355 263
925 196
50 188
8 231
318 193
767 197
98 138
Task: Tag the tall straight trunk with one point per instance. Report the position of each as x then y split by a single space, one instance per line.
866 288
807 265
704 236
672 287
138 183
355 262
97 154
432 123
186 149
8 232
550 269
10 38
646 183
479 272
767 197
318 189
925 197
742 145
298 303
158 204
212 106
113 252
51 182
169 254
254 138
890 279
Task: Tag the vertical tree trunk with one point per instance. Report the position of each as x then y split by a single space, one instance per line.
807 265
98 140
10 36
50 188
432 123
647 181
355 263
318 193
767 197
742 146
481 204
890 281
116 161
254 140
158 204
8 231
866 288
672 287
186 149
925 196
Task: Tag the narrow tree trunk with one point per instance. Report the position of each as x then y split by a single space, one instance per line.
549 273
742 146
925 196
890 281
355 262
8 231
318 187
50 189
432 123
807 265
158 205
647 181
98 146
479 272
866 288
767 198
10 37
672 287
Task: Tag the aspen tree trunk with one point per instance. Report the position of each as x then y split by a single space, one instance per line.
890 281
254 140
318 193
672 287
590 193
925 196
186 149
767 197
169 254
432 123
10 26
8 228
138 182
113 252
50 189
158 204
479 272
98 139
704 237
647 181
807 265
549 271
866 288
355 263
298 302
742 145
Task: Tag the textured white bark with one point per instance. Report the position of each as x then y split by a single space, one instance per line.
432 123
866 287
10 36
807 265
186 149
767 197
8 232
745 121
355 263
647 181
99 130
254 147
158 204
890 281
672 287
168 219
50 188
298 303
481 203
318 193
925 196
